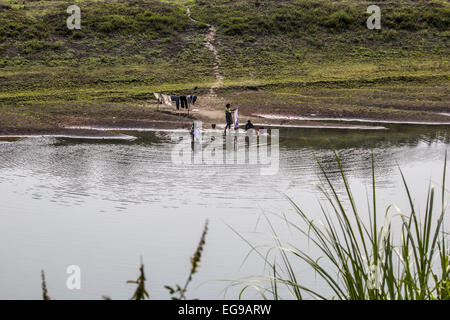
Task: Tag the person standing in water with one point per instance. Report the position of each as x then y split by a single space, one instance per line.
228 117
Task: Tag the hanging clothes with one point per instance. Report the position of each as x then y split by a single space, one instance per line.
163 98
158 97
192 99
177 101
184 102
188 99
166 99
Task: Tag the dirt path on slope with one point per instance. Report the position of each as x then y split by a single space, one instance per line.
209 44
211 106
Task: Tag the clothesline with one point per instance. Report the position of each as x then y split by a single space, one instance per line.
180 101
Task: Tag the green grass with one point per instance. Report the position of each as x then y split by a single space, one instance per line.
288 39
295 17
366 255
257 41
126 50
146 42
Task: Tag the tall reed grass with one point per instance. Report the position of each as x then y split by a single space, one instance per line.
364 257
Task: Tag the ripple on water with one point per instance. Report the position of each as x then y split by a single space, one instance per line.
75 200
133 173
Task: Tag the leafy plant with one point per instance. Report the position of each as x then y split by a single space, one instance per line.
365 261
140 293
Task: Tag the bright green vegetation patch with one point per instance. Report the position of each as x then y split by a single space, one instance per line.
294 17
146 42
44 20
154 43
261 40
126 50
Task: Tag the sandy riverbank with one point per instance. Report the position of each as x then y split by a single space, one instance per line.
100 119
111 129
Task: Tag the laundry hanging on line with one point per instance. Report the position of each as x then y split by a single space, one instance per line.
180 101
157 96
176 99
166 99
163 98
192 99
183 102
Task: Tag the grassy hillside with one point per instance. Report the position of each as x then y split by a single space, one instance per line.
310 56
120 42
270 40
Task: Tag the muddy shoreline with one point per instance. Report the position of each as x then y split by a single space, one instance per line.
104 128
104 121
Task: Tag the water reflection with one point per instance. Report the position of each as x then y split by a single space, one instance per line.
130 195
142 170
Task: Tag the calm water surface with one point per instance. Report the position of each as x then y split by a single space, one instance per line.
103 204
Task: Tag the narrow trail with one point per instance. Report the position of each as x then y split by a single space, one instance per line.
209 44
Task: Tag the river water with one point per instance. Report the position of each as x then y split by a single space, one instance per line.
102 204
